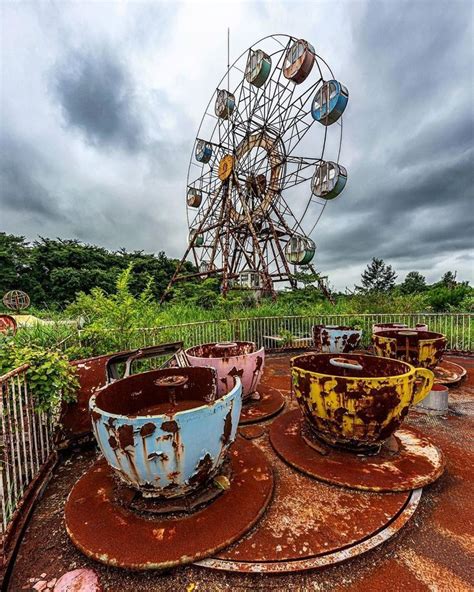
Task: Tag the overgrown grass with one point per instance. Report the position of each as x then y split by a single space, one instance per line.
112 321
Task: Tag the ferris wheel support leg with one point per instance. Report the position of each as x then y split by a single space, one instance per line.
268 284
176 272
291 279
225 251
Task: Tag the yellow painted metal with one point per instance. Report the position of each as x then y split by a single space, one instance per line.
225 167
422 352
358 411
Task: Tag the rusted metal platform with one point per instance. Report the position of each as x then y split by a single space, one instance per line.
108 532
449 373
270 403
310 524
408 460
432 552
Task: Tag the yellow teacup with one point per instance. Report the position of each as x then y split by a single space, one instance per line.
356 401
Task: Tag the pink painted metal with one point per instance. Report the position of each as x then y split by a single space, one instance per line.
85 580
237 358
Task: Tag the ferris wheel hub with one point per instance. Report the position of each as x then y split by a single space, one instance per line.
226 166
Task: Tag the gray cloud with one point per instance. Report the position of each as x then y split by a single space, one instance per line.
95 92
410 125
101 123
22 188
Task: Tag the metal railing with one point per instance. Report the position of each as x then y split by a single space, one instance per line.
26 442
284 331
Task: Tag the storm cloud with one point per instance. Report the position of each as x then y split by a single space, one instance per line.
100 104
95 92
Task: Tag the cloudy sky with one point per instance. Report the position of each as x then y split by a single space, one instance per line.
100 103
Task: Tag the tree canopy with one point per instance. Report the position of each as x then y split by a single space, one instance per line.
377 277
53 271
413 283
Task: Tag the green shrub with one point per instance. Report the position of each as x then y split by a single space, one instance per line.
442 298
51 379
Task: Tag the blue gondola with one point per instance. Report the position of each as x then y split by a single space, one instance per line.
329 102
203 151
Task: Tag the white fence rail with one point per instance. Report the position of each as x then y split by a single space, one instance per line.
292 330
25 443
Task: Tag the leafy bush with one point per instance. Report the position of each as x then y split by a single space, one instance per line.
51 379
442 298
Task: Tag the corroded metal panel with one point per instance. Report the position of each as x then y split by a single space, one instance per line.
358 401
164 432
74 420
239 358
421 348
336 339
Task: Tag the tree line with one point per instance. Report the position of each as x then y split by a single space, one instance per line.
53 271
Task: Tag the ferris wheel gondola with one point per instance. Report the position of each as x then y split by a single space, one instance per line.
329 102
247 176
203 151
329 180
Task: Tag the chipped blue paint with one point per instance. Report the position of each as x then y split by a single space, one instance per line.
164 452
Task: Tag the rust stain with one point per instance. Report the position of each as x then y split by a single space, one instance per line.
147 429
170 426
125 435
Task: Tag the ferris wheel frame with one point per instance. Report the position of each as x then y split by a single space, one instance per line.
232 126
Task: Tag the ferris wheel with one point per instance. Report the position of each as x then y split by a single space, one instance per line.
257 181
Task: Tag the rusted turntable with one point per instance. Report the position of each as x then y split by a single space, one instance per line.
157 501
310 524
347 431
171 472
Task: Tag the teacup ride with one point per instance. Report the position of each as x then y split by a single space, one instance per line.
421 348
348 429
336 339
245 360
171 469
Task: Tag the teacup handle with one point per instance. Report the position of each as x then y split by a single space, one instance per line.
345 363
424 379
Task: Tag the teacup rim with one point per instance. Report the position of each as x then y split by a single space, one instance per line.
412 369
214 343
233 391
